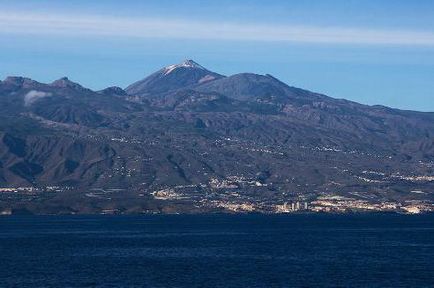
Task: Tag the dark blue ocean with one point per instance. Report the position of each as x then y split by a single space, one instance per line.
379 250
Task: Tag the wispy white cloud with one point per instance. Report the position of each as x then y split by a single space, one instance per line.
27 23
34 95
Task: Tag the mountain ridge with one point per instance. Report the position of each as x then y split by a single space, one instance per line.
176 145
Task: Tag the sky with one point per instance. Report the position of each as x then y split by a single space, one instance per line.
376 52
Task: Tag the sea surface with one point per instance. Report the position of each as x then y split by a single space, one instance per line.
312 250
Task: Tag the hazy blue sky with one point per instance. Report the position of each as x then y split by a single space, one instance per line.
374 52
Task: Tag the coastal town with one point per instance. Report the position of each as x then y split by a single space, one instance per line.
216 197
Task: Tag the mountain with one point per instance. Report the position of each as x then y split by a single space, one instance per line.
64 82
171 78
249 86
114 90
186 139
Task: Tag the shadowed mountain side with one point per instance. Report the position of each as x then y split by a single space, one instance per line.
192 136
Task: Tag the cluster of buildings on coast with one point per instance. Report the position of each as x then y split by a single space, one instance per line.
326 206
230 199
30 189
341 204
292 207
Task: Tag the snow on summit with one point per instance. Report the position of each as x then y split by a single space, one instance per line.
184 64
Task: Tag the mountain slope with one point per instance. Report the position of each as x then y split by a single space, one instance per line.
171 78
245 139
250 87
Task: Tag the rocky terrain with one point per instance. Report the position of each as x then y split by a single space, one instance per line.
189 140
